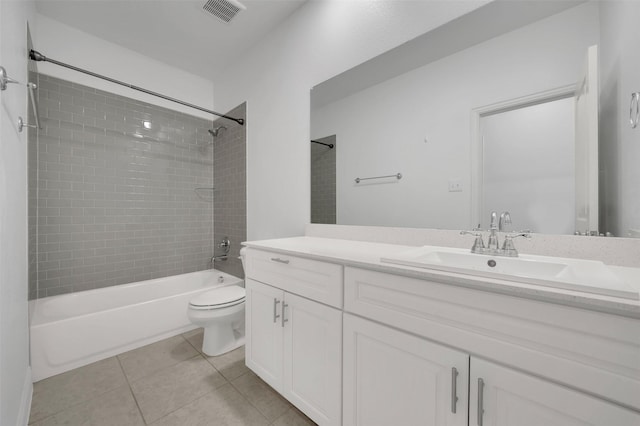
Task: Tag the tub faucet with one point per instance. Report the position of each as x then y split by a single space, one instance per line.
225 245
218 258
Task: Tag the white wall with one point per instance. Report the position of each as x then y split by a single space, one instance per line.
15 375
320 40
619 144
69 45
382 130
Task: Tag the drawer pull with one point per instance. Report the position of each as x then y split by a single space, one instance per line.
454 390
277 259
284 306
275 310
480 400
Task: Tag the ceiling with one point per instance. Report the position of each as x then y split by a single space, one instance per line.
176 32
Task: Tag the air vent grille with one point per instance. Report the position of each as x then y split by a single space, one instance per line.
223 9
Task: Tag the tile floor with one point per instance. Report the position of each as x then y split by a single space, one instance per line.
166 383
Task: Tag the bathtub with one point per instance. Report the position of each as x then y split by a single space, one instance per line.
72 330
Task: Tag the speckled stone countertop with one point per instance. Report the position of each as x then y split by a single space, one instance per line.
362 254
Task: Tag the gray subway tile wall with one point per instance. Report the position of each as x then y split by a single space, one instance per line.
116 201
323 181
230 195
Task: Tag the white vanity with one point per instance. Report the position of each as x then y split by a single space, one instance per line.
352 340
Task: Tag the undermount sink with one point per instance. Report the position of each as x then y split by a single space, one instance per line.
572 274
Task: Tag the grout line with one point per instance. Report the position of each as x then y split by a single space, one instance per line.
74 404
179 408
245 396
131 390
192 345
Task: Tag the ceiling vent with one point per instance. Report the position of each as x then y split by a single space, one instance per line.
224 10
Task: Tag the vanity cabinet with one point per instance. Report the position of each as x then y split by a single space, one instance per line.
549 364
501 396
361 345
394 378
292 342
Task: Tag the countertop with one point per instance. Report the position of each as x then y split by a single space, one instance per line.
362 254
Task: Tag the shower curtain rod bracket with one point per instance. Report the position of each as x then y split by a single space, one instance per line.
34 55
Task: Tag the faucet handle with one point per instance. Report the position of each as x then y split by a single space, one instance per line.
475 233
478 244
508 249
526 234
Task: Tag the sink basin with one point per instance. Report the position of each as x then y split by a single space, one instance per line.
572 274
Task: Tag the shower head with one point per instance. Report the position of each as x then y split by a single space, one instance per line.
217 130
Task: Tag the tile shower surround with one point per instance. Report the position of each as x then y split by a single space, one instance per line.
230 177
111 207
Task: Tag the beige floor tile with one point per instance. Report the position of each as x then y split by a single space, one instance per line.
261 395
114 408
174 387
231 364
148 359
195 338
224 406
293 417
57 393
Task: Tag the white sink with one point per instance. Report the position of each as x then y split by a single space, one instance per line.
572 274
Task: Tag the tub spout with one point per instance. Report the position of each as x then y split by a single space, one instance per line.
218 258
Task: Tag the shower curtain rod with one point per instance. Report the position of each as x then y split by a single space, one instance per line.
37 56
330 145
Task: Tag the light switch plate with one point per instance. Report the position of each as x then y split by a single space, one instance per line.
455 185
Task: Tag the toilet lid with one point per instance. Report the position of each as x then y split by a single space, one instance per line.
219 298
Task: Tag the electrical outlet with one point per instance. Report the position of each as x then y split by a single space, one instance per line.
455 185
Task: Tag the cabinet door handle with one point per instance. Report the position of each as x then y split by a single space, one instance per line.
277 259
275 310
480 400
284 306
454 389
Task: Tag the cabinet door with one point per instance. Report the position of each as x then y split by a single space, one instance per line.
263 341
394 378
507 397
313 359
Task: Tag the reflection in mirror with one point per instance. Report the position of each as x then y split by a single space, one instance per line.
419 121
519 175
323 180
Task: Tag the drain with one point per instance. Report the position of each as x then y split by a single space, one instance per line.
491 263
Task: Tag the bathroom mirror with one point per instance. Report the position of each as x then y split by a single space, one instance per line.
417 111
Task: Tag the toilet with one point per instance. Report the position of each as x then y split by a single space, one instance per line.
221 313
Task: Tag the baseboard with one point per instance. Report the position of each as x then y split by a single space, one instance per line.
25 400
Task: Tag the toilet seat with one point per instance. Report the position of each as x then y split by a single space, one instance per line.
218 298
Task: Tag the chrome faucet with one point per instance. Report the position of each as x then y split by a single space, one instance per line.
505 219
225 245
493 246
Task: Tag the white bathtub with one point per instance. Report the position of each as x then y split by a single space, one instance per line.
72 330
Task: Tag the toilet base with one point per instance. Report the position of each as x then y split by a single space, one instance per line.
219 340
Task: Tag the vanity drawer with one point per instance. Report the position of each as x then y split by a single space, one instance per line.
313 279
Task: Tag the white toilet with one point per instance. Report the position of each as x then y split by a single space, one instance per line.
221 313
